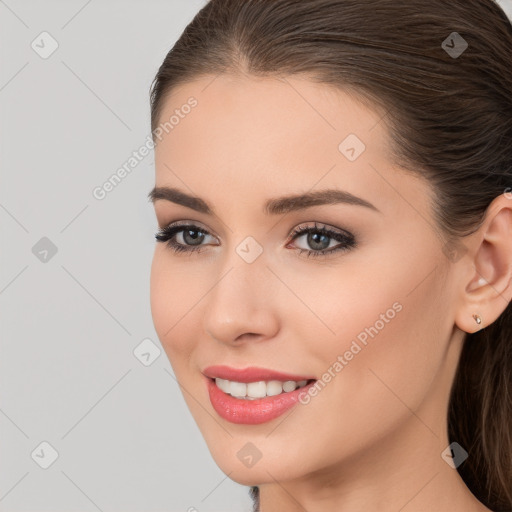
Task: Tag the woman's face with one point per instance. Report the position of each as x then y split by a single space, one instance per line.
363 313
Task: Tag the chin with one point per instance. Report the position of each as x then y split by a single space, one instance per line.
254 459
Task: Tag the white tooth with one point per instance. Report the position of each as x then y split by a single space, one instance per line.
274 387
289 385
257 389
223 384
302 383
237 388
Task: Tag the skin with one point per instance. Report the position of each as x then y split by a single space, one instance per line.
372 438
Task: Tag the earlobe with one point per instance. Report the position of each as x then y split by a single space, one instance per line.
471 323
489 290
477 318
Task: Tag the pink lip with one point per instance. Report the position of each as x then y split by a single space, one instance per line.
251 374
251 412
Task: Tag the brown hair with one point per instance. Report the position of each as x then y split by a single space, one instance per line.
449 117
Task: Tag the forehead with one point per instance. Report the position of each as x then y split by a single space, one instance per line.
268 113
262 136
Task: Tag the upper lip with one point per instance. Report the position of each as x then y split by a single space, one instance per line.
250 374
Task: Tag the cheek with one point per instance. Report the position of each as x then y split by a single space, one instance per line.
382 319
391 352
388 347
172 299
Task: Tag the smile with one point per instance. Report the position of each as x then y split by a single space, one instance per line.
260 389
252 396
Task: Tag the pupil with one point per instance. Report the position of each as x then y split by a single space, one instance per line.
196 240
315 243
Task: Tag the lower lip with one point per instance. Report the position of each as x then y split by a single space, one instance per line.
252 412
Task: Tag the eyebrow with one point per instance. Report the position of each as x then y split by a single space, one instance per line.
276 206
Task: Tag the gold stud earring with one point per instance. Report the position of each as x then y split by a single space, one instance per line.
477 318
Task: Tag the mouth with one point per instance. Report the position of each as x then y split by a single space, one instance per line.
258 389
254 395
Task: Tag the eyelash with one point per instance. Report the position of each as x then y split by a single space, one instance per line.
347 241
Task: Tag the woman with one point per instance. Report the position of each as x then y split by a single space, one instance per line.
333 277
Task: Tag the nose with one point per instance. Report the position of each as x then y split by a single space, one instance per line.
242 305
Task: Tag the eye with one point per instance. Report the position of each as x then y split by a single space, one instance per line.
183 237
189 238
320 238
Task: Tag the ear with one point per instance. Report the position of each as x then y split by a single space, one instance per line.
486 288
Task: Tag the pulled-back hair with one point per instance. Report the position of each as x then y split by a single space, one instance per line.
449 116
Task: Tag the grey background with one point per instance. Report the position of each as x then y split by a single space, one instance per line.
69 324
